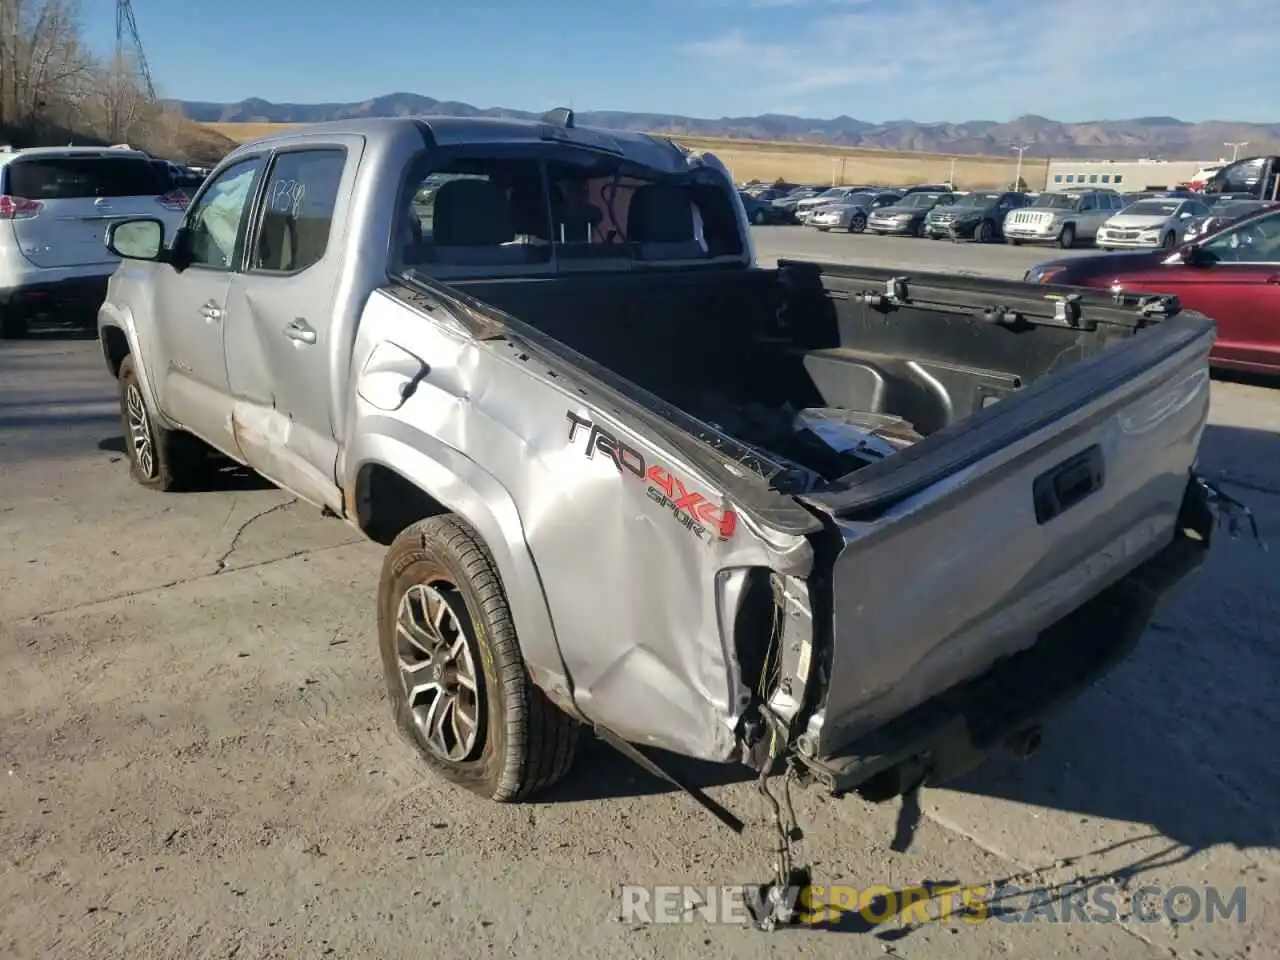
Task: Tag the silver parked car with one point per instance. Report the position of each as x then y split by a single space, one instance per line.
851 212
1063 218
632 482
1150 223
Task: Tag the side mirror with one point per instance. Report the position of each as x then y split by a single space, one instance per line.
138 239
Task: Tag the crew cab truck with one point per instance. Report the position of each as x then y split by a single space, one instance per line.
875 525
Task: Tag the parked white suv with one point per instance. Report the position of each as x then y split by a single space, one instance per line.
1063 218
55 206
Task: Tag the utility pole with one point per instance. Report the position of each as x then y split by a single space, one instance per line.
1021 149
1236 146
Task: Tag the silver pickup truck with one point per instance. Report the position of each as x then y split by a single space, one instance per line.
869 525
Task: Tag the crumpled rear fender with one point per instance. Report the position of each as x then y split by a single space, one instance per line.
464 488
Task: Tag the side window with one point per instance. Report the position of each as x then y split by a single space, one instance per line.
1087 202
1057 178
1257 241
213 222
1119 178
297 210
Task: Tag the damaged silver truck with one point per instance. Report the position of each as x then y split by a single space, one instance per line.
861 526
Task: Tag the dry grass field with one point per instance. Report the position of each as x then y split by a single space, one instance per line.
811 163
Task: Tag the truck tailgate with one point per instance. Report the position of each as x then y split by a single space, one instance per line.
1048 497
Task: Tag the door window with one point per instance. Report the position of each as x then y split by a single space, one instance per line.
214 221
297 210
1257 241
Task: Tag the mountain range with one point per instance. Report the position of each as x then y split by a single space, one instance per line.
1164 138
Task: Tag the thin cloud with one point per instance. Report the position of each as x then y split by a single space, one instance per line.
1052 56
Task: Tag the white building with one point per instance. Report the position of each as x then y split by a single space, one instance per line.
1127 176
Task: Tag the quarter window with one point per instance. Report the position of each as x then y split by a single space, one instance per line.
297 210
214 221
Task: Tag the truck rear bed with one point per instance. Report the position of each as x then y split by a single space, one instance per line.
1056 444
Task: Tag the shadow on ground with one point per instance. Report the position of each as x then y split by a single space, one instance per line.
220 475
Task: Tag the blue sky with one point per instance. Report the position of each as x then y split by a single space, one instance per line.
871 59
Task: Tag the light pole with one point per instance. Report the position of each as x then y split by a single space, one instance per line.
1017 177
1235 146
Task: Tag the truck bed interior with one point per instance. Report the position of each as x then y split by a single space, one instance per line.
734 347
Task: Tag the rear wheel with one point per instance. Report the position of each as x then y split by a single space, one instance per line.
858 223
459 688
159 459
1067 239
982 232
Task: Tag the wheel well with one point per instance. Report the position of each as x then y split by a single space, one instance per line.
115 347
386 503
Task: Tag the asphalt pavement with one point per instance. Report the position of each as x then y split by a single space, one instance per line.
198 759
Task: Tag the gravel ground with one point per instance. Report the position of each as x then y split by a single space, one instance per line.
196 756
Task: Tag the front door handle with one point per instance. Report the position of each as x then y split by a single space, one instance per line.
300 331
211 311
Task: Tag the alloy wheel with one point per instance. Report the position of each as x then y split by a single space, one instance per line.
437 669
141 439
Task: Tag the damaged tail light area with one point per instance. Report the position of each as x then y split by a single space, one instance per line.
767 619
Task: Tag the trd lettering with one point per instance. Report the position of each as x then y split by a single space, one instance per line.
692 509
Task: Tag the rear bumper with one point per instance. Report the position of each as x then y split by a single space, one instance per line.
75 298
956 730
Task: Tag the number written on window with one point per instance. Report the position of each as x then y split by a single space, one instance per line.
297 210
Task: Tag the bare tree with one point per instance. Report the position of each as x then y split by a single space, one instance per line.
118 107
42 60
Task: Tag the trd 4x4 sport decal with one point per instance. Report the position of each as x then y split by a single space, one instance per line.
694 511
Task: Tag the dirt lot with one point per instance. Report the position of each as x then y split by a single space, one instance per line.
807 163
198 762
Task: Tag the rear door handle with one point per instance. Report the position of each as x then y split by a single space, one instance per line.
300 331
211 311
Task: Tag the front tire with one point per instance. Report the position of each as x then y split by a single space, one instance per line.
459 689
757 217
1012 242
982 232
857 224
1168 241
1067 239
159 458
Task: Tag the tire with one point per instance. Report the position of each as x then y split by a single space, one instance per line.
983 232
13 323
159 459
1105 249
918 231
857 224
878 233
1168 241
1012 242
1067 238
822 229
520 742
757 217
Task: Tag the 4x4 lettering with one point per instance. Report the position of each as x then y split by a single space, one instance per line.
694 510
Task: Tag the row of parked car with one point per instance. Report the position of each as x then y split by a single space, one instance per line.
1072 217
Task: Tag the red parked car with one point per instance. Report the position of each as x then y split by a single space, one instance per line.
1231 275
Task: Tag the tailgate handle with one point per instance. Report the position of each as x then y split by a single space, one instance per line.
1059 489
